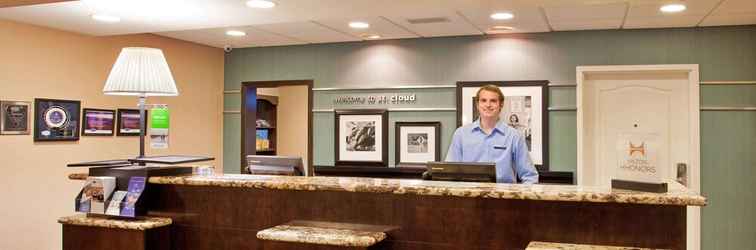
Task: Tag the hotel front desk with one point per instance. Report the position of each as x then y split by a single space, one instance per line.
287 212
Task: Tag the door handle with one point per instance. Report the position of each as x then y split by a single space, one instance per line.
682 173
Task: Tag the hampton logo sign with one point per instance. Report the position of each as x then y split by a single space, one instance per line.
636 159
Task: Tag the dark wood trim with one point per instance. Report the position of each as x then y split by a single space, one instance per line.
544 84
245 113
397 140
84 122
248 116
384 136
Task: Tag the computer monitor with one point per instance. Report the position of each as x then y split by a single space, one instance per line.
461 171
274 165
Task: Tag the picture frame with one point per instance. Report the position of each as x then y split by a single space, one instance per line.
56 120
417 143
525 108
361 137
128 122
15 118
98 122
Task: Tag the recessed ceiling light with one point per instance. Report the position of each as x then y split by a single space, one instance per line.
106 18
371 36
672 8
359 25
500 28
502 16
236 33
260 4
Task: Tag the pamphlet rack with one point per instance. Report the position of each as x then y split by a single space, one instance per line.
124 169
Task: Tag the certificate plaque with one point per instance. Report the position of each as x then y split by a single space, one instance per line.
14 117
56 120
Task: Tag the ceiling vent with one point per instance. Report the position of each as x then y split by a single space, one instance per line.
428 20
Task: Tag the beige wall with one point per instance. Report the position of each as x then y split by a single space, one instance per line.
292 118
37 62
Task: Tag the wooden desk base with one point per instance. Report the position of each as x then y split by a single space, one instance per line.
218 218
98 238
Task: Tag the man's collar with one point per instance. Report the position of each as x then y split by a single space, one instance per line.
500 127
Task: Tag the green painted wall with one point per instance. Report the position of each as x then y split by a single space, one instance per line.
728 138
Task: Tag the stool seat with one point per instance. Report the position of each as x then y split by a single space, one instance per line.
539 245
326 233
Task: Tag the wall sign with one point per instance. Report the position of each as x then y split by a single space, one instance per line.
637 157
376 99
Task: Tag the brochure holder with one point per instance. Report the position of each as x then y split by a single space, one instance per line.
131 181
125 177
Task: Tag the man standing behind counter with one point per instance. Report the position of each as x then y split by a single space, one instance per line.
490 140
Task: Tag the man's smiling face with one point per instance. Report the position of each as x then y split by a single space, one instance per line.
489 105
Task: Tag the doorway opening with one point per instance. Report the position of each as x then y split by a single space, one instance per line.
276 120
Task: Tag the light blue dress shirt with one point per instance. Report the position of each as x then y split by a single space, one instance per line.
504 146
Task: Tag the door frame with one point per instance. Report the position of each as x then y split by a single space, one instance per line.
249 111
694 184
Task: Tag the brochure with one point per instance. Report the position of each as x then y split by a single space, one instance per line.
136 187
114 207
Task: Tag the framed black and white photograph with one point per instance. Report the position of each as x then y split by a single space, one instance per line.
56 120
98 122
525 108
14 118
417 143
361 137
128 122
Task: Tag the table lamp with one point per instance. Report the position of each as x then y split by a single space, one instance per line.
141 72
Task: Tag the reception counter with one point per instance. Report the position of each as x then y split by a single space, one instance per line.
228 211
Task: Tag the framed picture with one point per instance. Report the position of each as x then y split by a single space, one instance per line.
56 120
525 109
128 122
361 137
417 143
98 122
14 118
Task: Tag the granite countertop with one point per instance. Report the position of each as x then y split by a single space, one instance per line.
142 223
78 176
537 245
678 194
321 236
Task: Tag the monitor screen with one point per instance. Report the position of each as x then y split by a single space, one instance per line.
462 171
275 164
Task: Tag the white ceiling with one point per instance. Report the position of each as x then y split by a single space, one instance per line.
325 21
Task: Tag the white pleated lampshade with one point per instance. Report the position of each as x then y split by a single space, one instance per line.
140 71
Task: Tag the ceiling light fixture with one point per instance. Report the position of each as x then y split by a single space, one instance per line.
260 4
106 18
236 33
359 25
502 16
673 8
501 28
371 36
